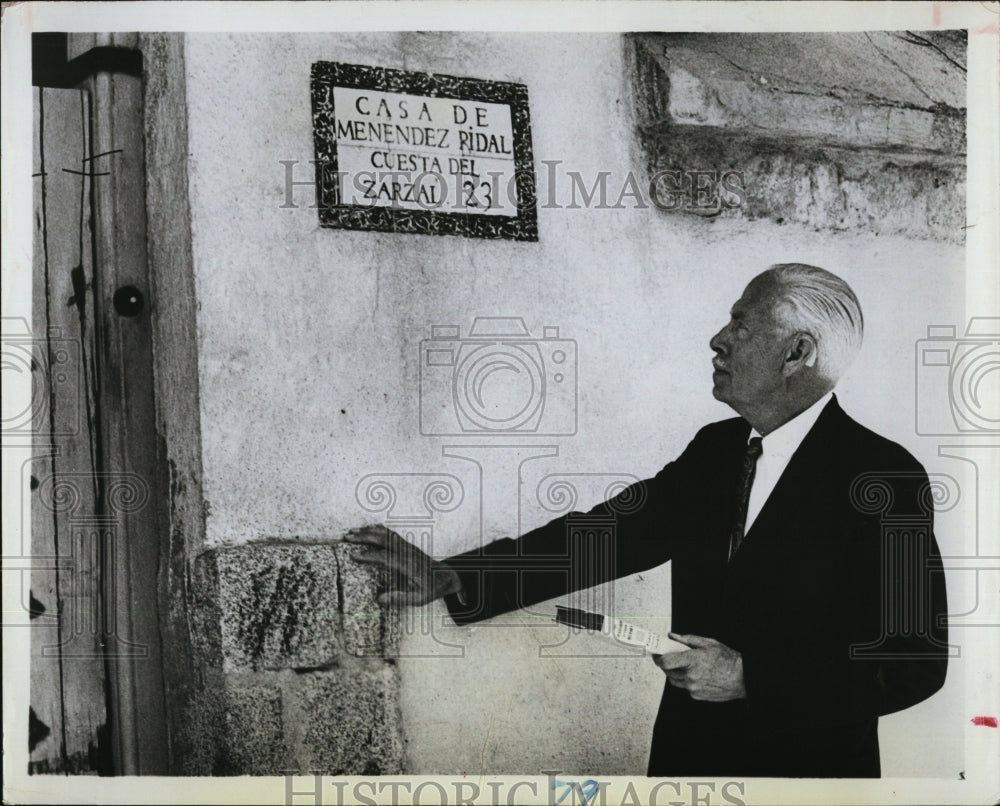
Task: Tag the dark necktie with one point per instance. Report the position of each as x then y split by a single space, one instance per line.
755 447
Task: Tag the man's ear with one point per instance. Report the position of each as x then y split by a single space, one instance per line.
802 352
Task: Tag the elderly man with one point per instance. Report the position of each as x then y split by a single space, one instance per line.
782 573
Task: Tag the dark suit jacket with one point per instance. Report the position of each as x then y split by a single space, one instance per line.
836 599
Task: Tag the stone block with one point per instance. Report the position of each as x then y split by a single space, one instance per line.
267 606
227 729
278 605
196 735
352 721
253 741
369 629
203 612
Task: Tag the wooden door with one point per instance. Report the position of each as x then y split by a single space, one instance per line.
68 722
97 697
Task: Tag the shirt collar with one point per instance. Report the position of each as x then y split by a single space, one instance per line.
785 440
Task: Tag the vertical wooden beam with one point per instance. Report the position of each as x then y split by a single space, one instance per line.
131 480
175 335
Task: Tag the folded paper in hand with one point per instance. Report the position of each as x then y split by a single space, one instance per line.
617 630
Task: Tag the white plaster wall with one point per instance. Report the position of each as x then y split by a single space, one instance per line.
308 359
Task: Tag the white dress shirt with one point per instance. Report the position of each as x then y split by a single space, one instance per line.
778 447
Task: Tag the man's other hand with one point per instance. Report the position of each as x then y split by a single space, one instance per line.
414 577
709 671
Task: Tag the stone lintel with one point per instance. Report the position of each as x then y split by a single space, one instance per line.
781 86
803 133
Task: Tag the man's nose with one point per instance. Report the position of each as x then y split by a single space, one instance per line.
717 342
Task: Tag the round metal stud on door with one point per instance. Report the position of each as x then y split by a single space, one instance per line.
128 301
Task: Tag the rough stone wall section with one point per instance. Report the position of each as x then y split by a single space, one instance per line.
296 664
846 131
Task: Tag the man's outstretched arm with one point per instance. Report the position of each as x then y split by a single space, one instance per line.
569 553
630 532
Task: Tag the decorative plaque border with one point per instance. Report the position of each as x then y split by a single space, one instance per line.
327 75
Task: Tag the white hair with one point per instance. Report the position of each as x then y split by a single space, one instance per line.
823 305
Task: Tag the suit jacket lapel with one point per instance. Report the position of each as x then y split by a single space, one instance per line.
802 479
